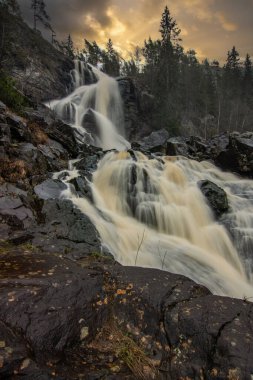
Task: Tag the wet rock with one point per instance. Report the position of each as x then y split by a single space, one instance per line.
53 150
238 154
66 230
82 185
13 209
5 134
90 125
49 317
216 197
155 142
88 163
64 134
14 357
210 344
61 135
50 189
18 129
176 146
80 321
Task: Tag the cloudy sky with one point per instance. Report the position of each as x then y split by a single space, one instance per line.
211 27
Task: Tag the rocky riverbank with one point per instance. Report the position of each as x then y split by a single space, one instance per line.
68 310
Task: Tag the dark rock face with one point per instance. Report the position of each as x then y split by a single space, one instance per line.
31 210
40 71
216 197
176 146
64 134
65 321
238 155
49 189
155 142
67 230
15 214
137 109
233 152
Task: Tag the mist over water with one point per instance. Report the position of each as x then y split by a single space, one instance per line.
151 213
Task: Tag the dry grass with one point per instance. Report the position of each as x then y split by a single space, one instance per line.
13 170
111 338
37 134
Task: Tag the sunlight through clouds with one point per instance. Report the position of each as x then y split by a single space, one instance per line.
211 27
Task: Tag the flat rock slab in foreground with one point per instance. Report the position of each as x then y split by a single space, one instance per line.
98 320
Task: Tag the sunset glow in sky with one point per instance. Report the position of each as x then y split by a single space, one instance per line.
211 27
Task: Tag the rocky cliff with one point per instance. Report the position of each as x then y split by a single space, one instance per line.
40 71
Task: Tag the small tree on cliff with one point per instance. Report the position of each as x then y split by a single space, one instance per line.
40 14
11 6
69 47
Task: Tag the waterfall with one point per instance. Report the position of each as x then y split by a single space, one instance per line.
100 102
154 215
151 212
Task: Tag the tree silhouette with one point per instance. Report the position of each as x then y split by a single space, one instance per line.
40 14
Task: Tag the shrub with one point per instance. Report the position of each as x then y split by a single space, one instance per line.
10 95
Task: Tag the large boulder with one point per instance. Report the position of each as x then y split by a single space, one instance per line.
65 321
15 214
215 196
50 189
155 142
177 146
238 155
67 230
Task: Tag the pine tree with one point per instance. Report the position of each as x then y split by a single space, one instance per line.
40 14
232 89
247 69
93 52
168 28
111 60
247 82
233 60
69 47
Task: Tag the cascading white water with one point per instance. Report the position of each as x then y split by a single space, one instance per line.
78 73
151 213
154 215
102 101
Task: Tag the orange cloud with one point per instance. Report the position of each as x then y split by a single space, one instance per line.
226 25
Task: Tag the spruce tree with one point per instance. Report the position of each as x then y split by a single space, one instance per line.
247 82
111 60
93 52
168 28
40 14
248 69
69 47
232 62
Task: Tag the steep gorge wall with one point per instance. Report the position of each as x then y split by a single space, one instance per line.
40 71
